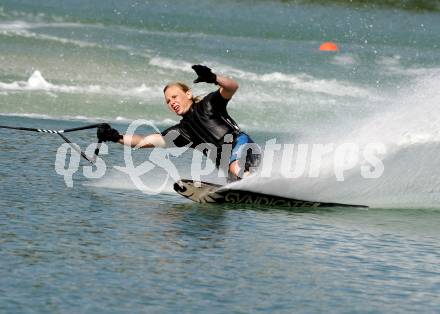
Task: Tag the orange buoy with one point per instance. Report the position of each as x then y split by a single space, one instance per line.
329 46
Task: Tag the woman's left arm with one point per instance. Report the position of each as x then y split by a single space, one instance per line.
228 86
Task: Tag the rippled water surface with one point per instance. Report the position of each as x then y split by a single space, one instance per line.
94 249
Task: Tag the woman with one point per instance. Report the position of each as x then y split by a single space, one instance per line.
204 121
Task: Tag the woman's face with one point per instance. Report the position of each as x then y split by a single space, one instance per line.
177 100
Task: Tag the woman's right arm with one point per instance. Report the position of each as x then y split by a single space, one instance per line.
139 141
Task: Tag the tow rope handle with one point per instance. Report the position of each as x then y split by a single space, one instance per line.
97 148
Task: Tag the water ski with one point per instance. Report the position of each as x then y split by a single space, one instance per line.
204 192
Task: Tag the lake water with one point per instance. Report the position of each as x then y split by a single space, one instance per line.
103 245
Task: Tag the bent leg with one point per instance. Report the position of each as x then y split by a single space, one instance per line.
235 171
245 156
234 168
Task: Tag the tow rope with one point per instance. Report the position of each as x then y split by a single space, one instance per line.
60 133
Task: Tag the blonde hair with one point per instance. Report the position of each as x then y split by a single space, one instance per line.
184 88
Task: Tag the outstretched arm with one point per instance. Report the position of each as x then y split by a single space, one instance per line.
106 133
149 141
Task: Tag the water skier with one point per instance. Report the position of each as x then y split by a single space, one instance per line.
204 120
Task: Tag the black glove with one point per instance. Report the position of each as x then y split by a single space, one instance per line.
106 133
204 74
